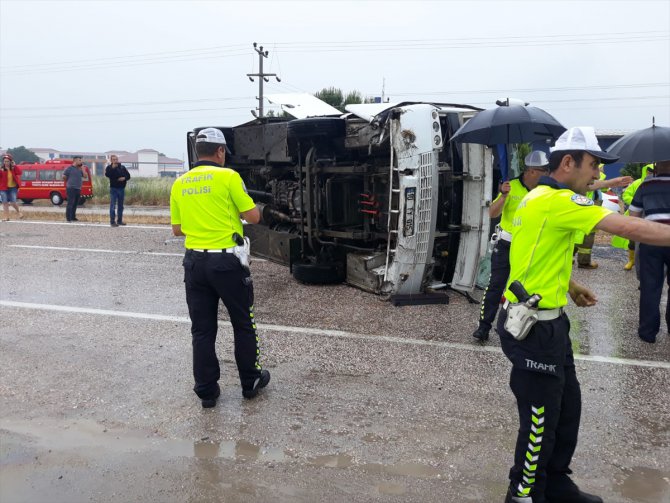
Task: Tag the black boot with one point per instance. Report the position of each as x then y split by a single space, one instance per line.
578 497
517 499
481 334
561 489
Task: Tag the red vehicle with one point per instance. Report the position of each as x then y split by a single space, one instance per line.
45 181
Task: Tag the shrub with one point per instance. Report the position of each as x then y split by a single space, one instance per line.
141 191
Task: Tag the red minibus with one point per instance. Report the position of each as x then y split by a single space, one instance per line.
45 181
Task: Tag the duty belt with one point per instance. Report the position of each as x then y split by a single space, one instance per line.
225 250
505 236
543 314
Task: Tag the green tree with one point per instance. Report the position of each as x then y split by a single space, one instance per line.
278 113
331 95
22 154
632 169
522 150
336 98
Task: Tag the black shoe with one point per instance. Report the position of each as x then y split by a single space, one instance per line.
208 403
260 382
649 339
121 223
561 489
481 334
578 497
517 499
114 225
75 220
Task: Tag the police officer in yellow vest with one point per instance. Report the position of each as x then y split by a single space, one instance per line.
205 206
511 194
533 328
585 245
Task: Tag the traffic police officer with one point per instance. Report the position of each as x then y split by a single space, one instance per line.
585 244
511 194
543 377
205 206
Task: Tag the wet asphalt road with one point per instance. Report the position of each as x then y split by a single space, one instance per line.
368 402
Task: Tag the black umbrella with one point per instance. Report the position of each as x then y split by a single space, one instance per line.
646 145
509 124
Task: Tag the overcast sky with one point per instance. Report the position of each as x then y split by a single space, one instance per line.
126 75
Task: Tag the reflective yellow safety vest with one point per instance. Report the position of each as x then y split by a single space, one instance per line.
207 202
516 193
543 237
627 197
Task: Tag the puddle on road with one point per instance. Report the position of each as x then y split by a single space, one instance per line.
89 436
646 485
393 489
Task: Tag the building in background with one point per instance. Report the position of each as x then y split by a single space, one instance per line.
143 163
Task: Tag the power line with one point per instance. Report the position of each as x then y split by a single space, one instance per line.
144 112
95 66
536 89
458 39
137 103
367 45
141 55
155 112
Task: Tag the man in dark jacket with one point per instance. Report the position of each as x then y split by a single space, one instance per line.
118 176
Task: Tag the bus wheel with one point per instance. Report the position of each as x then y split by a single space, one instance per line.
27 201
319 273
56 199
81 201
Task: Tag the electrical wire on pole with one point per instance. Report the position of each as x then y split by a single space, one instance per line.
262 77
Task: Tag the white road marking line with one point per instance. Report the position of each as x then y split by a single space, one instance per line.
323 332
83 224
97 250
102 250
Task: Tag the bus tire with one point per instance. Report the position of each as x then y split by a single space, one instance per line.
81 201
319 274
56 198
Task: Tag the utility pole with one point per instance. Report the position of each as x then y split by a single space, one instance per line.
261 78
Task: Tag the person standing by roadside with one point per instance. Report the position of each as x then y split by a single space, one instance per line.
10 180
73 177
206 205
543 377
118 177
511 194
652 202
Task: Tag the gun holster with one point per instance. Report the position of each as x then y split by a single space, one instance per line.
520 319
242 252
494 239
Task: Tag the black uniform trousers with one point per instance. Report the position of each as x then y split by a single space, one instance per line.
209 277
72 201
548 396
652 260
499 275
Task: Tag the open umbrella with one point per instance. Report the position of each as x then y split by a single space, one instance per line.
509 124
646 145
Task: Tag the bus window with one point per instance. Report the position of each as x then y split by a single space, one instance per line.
47 174
59 174
28 175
